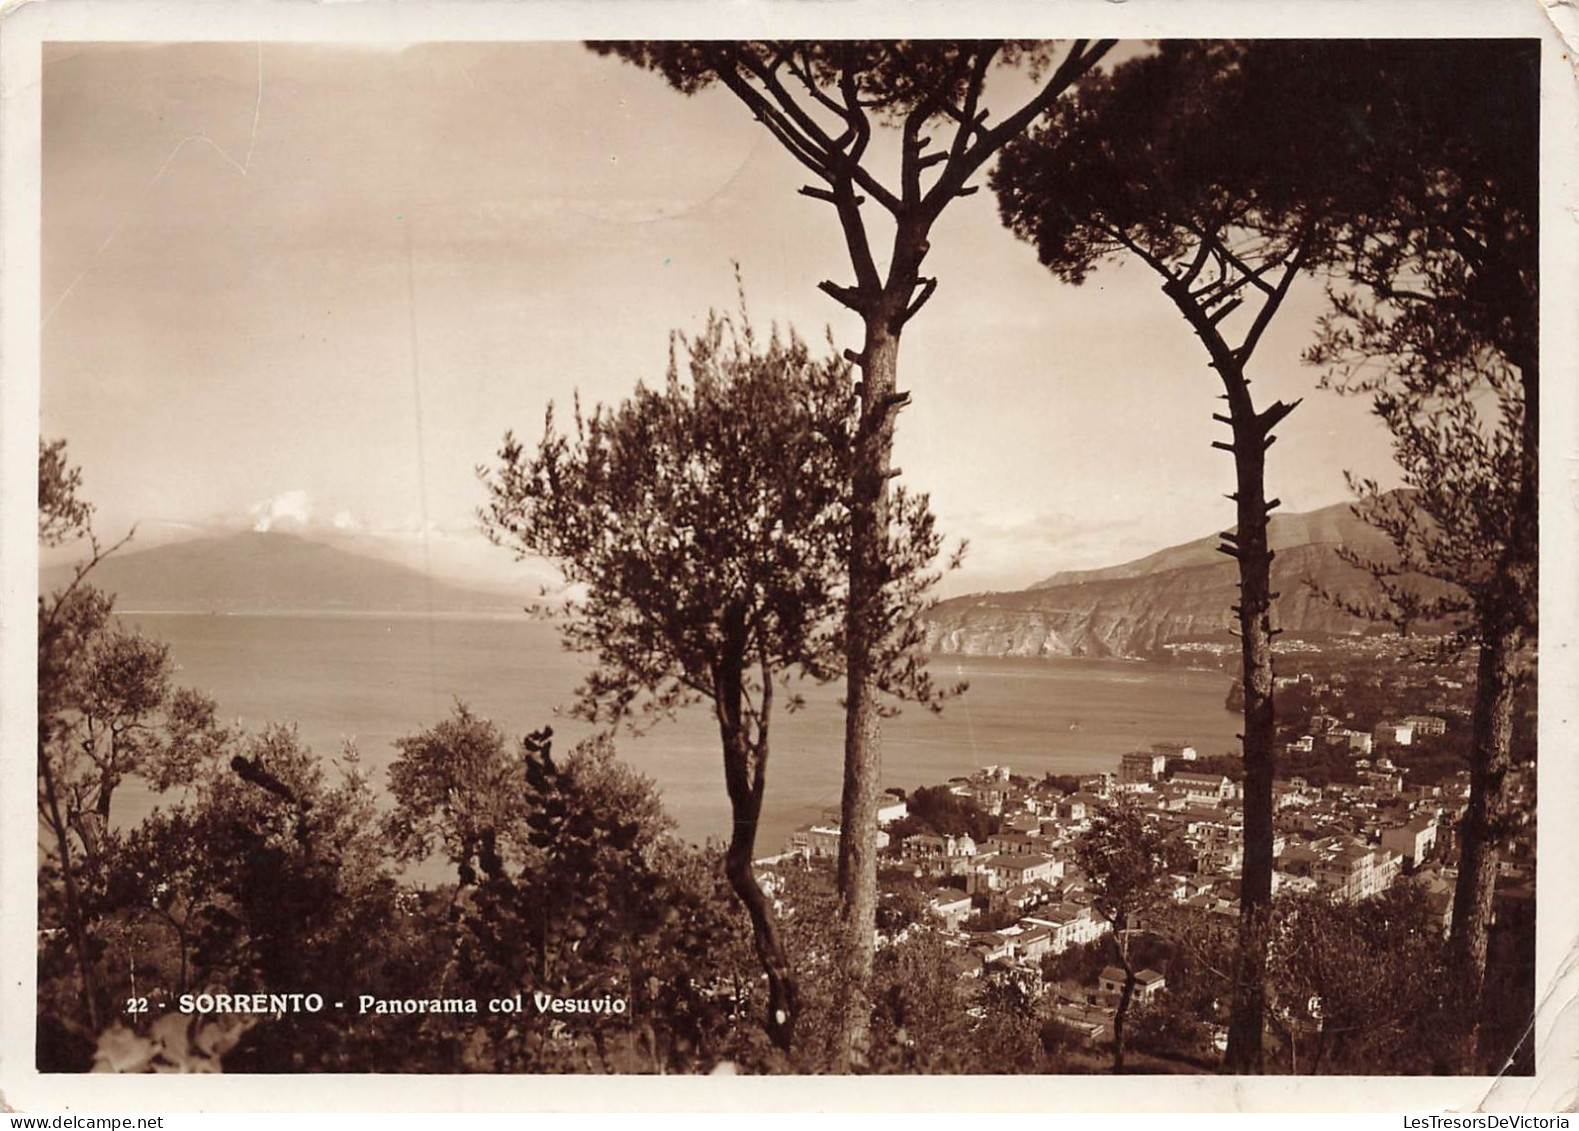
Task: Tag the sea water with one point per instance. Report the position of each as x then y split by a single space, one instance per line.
374 678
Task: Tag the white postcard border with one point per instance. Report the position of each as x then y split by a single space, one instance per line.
26 26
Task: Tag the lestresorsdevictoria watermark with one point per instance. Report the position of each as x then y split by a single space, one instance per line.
1481 1122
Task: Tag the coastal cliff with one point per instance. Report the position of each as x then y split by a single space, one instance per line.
1181 594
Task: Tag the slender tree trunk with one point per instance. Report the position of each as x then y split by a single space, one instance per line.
745 778
74 918
863 645
1255 627
1504 628
1128 992
1482 828
1255 623
743 773
107 781
1252 435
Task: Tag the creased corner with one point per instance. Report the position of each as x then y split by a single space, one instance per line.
1563 15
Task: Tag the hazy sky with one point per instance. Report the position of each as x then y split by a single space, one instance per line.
310 288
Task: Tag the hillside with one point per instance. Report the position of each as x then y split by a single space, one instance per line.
1181 593
271 572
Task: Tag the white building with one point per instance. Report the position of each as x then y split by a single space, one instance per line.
1393 734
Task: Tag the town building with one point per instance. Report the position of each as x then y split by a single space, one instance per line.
1412 841
1204 789
821 841
1427 725
1359 741
952 907
1148 984
1017 843
1069 924
1000 871
1079 807
1140 767
926 846
891 809
1393 734
1354 872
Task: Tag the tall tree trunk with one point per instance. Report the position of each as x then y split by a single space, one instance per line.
1483 826
745 777
864 633
1255 628
1252 435
1512 618
1124 997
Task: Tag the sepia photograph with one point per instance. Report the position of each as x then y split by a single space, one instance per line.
819 556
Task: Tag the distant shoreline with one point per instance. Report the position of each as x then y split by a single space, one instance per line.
524 616
399 614
539 618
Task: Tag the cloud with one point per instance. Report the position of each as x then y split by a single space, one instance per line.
1014 550
298 511
286 511
454 552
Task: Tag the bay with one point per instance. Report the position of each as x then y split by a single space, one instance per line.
375 678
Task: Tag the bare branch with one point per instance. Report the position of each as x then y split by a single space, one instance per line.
929 284
967 158
838 163
1295 263
851 297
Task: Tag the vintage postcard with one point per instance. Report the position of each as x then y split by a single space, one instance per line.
724 545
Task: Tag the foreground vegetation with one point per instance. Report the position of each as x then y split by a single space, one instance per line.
269 869
763 535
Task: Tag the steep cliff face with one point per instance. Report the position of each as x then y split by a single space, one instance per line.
1179 594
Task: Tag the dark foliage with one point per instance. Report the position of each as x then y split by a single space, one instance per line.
938 811
710 524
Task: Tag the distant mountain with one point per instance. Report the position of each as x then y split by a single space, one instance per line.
271 572
1182 593
1332 526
